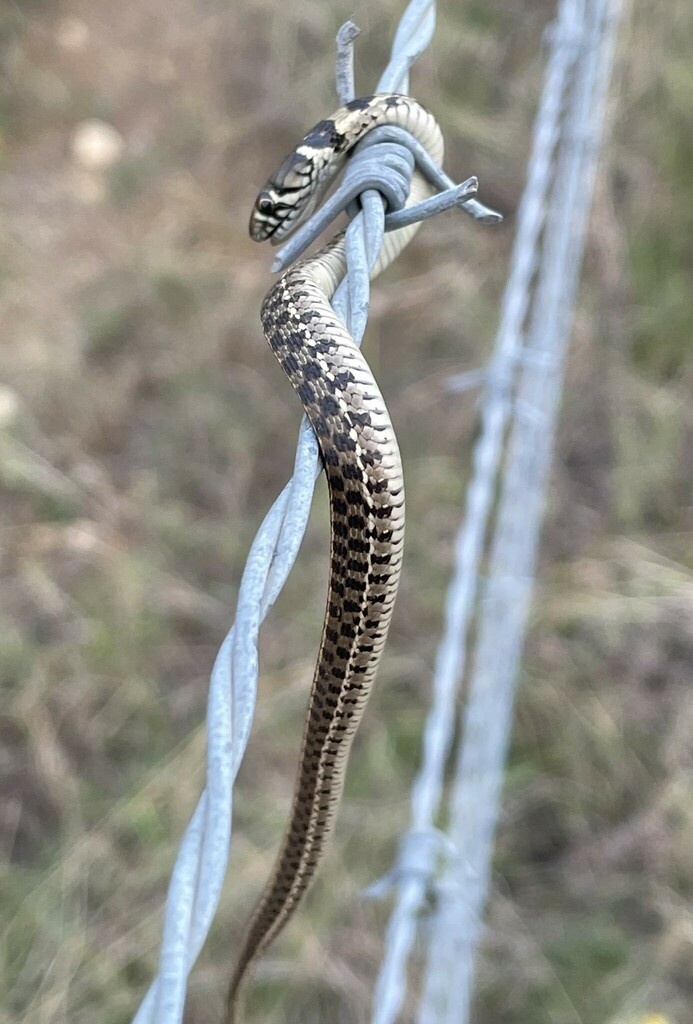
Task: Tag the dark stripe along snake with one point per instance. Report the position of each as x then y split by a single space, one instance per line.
364 476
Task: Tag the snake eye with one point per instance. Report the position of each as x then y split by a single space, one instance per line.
264 203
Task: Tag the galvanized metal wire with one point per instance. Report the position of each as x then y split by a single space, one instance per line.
582 45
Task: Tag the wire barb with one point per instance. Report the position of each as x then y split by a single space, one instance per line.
344 73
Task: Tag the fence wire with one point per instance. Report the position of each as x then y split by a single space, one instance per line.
201 864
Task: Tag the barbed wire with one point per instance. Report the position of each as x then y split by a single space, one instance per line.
201 863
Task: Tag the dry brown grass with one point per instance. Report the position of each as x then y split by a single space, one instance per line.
146 428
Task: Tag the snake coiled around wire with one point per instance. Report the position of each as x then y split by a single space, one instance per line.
364 477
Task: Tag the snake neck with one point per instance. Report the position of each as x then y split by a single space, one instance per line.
359 117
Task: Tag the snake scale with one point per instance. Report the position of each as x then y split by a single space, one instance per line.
364 476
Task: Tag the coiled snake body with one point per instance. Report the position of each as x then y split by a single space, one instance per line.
364 476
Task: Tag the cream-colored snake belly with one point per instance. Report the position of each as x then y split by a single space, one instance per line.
364 477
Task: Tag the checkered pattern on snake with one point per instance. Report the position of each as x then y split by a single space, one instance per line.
364 476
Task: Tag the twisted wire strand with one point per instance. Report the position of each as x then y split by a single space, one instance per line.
419 852
582 45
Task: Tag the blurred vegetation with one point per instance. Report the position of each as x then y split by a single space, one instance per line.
145 428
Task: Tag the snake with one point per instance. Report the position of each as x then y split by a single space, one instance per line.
362 464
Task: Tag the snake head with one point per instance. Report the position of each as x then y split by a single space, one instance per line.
291 194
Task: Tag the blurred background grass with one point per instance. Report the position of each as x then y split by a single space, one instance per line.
146 428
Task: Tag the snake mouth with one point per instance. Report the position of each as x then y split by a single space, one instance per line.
259 229
276 229
284 219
